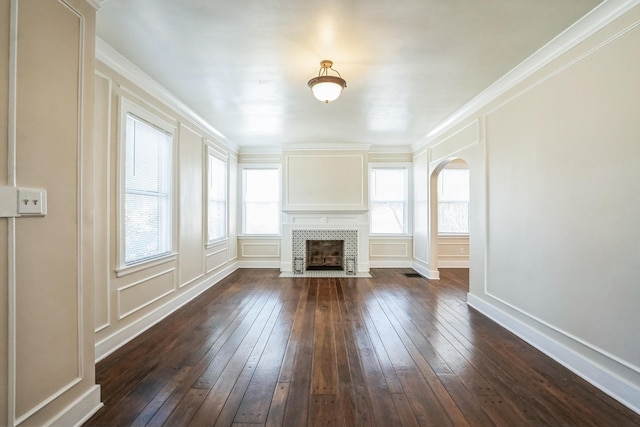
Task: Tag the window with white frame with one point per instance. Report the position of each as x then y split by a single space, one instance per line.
217 197
453 201
388 199
261 200
146 222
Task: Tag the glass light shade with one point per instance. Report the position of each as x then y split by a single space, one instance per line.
327 88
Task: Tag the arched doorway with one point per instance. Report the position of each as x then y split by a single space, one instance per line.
449 214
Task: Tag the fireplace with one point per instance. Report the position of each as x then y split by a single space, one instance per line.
334 262
325 255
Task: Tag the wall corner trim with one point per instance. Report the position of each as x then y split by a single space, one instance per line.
586 368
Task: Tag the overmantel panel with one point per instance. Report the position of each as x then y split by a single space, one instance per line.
321 181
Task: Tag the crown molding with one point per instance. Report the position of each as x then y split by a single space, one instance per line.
120 64
261 150
602 15
328 146
390 149
96 3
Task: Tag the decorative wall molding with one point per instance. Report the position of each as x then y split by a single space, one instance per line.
116 61
111 343
307 176
602 15
270 250
146 280
106 262
404 246
216 254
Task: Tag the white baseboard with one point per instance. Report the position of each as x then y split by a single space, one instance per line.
424 269
453 263
121 337
258 264
79 411
583 366
390 264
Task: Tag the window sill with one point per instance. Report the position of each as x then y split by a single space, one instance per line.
260 236
130 269
391 236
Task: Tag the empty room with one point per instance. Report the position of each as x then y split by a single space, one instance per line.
350 213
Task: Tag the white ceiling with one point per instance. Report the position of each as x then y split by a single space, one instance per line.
243 65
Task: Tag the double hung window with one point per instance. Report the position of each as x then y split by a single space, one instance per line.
146 223
261 200
217 197
388 199
453 201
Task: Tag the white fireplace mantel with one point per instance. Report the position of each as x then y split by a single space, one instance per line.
358 221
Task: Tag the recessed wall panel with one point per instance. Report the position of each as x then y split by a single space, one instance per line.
138 295
325 181
191 206
47 336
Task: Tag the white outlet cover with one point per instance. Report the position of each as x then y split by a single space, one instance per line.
32 201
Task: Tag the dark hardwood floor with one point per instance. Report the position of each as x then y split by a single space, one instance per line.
388 351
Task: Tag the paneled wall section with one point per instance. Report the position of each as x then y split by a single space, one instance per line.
128 302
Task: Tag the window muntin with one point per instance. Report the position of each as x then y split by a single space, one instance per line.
261 201
217 198
388 200
147 177
453 201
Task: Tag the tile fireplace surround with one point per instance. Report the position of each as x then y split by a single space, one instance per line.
300 227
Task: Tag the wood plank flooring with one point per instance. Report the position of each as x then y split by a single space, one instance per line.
259 350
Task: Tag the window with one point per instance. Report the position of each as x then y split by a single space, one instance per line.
261 201
388 187
217 198
146 218
453 201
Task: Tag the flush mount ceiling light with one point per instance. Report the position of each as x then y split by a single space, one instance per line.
325 87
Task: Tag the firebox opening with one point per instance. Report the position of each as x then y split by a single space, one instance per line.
325 255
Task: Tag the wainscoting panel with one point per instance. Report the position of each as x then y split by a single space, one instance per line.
260 250
137 295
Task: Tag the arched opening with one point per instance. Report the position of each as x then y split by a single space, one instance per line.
449 215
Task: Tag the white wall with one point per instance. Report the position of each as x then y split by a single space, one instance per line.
325 180
47 374
554 169
128 302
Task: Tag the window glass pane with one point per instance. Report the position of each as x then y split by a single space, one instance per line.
217 194
388 184
261 201
453 201
262 185
388 200
262 218
453 217
387 217
453 185
147 182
